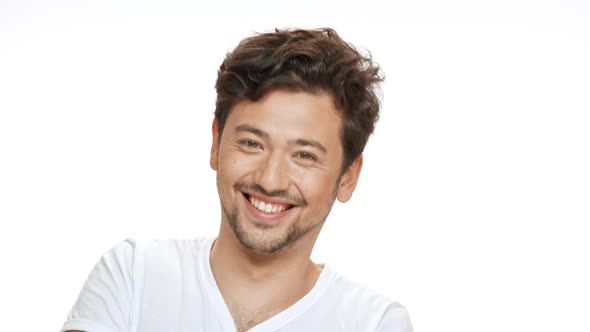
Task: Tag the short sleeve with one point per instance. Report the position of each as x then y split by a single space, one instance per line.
105 300
395 319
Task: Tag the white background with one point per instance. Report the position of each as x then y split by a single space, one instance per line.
473 205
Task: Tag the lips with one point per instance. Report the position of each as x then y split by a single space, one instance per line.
266 209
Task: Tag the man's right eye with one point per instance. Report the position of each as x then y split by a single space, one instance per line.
252 144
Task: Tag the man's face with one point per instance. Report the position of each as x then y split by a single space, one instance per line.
278 166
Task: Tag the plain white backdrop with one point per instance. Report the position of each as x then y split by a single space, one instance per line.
474 201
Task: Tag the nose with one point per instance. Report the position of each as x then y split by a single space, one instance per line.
273 173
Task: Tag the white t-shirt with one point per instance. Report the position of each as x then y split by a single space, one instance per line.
168 286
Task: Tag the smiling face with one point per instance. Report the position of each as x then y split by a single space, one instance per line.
278 166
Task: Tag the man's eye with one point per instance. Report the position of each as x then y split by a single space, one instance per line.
307 156
250 143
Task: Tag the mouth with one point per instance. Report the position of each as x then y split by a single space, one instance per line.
266 209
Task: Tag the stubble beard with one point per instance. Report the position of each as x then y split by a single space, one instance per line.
266 243
260 242
263 242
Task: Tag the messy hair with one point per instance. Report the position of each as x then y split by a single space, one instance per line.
313 61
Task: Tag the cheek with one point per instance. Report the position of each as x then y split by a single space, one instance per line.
316 188
228 167
234 165
296 172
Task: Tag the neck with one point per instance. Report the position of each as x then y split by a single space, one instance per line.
256 286
231 260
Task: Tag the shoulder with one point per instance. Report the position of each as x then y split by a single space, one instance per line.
140 256
357 294
161 247
367 309
130 272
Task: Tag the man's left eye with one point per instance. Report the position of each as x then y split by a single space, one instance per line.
306 156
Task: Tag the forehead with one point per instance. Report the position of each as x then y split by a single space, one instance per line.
290 115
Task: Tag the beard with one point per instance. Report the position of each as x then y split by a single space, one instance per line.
263 242
264 238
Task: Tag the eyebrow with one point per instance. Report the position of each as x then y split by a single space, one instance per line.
253 130
308 142
299 141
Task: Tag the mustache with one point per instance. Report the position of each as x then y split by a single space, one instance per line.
282 194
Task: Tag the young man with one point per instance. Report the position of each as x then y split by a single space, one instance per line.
294 111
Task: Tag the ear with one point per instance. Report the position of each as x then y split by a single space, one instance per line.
214 145
349 179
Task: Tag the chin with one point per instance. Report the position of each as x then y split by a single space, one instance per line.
262 238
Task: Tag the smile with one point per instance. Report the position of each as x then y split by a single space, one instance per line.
268 208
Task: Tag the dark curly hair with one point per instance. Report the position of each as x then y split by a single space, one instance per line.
314 61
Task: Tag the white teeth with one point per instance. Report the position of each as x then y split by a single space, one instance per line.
267 207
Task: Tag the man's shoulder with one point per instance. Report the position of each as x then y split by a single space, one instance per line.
356 293
363 305
140 252
169 244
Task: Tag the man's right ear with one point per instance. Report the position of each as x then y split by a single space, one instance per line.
214 145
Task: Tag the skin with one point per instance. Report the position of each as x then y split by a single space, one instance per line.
263 266
283 148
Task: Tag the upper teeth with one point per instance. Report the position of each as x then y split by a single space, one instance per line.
267 207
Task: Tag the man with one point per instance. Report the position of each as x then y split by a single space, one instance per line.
294 111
